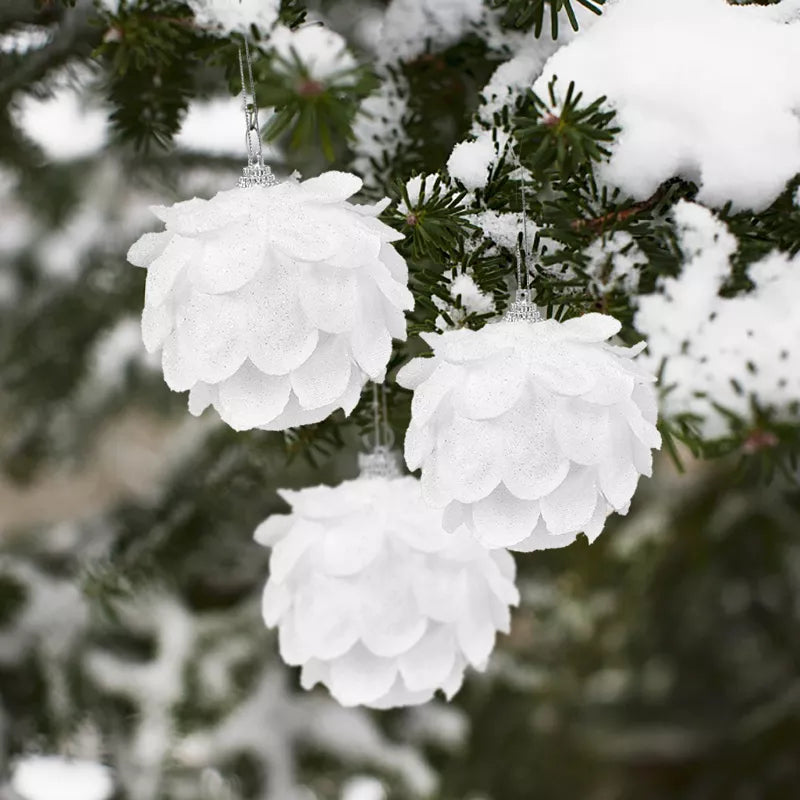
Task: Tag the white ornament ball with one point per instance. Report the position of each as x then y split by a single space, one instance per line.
59 778
274 304
373 599
530 433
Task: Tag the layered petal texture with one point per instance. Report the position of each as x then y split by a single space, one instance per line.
273 304
374 599
530 433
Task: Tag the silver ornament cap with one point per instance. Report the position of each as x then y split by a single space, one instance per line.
257 174
382 462
523 308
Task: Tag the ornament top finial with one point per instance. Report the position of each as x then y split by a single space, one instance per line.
382 462
257 174
523 308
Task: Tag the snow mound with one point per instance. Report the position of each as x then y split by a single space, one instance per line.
703 89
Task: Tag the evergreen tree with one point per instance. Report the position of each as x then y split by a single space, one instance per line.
658 662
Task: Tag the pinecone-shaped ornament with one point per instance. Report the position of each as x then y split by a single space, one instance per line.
372 598
273 302
530 432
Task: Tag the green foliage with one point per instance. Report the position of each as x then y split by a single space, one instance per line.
292 13
152 50
524 14
433 127
435 223
12 598
571 139
310 111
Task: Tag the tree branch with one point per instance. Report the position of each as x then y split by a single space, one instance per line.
598 224
75 37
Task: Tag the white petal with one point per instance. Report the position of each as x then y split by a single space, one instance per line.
534 464
201 396
359 677
642 458
370 340
614 384
598 521
470 452
418 526
453 517
476 633
324 377
157 324
454 680
395 292
441 592
394 261
395 321
273 529
329 297
542 539
500 615
644 395
582 431
191 217
592 327
286 553
465 346
163 271
214 326
490 387
250 398
293 649
147 248
428 664
502 520
303 233
314 671
331 187
645 431
350 547
325 616
294 414
501 577
275 602
281 337
418 370
418 444
400 696
330 502
572 504
429 395
617 473
229 259
563 370
179 363
390 621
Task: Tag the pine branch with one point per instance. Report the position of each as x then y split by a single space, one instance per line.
599 224
24 12
75 37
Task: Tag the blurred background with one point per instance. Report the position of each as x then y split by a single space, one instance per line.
661 662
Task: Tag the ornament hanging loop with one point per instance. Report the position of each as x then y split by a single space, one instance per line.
256 173
522 308
381 461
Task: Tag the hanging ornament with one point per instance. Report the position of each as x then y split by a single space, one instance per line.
530 431
372 598
273 302
58 778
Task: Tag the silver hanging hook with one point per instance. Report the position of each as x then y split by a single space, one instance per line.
381 461
523 307
256 173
